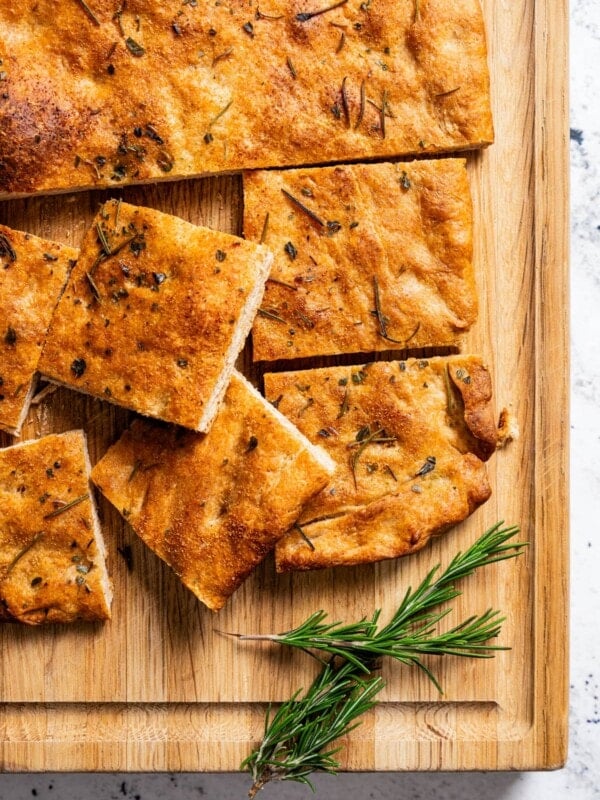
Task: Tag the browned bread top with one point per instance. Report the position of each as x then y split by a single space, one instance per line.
33 272
168 89
409 440
213 506
52 556
367 257
155 314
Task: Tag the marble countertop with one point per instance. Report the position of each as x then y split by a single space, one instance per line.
580 779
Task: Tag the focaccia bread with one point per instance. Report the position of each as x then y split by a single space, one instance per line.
33 273
367 257
155 314
409 439
102 93
213 506
52 555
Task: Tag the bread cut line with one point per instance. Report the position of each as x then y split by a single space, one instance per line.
101 94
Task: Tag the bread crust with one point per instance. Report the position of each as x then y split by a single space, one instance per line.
368 257
155 327
213 506
409 440
33 273
52 563
164 90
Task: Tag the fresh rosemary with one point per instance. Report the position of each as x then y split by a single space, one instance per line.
295 738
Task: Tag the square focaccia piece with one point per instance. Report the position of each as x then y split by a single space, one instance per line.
33 273
141 91
52 555
409 440
368 257
155 314
213 506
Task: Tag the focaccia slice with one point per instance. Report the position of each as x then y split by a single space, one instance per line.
52 555
367 257
409 440
155 314
33 273
102 94
213 506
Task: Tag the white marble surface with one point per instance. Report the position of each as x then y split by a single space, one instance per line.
580 779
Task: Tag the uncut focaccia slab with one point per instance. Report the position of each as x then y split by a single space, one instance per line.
213 506
367 257
52 555
409 439
150 90
33 273
155 314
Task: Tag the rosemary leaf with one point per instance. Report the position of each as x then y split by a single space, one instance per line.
310 214
89 12
58 511
411 632
22 553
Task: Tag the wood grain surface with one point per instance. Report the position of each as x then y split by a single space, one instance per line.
159 687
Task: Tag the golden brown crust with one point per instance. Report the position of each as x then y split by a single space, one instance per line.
52 565
408 463
33 273
155 327
378 259
166 90
212 506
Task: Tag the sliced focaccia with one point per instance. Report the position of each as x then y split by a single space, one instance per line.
33 273
52 555
409 440
155 314
102 93
213 506
367 257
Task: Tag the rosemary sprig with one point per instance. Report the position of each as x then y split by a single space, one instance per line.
411 632
303 727
296 736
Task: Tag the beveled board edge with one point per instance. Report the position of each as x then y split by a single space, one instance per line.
551 175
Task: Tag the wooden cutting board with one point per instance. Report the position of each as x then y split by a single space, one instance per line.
159 688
